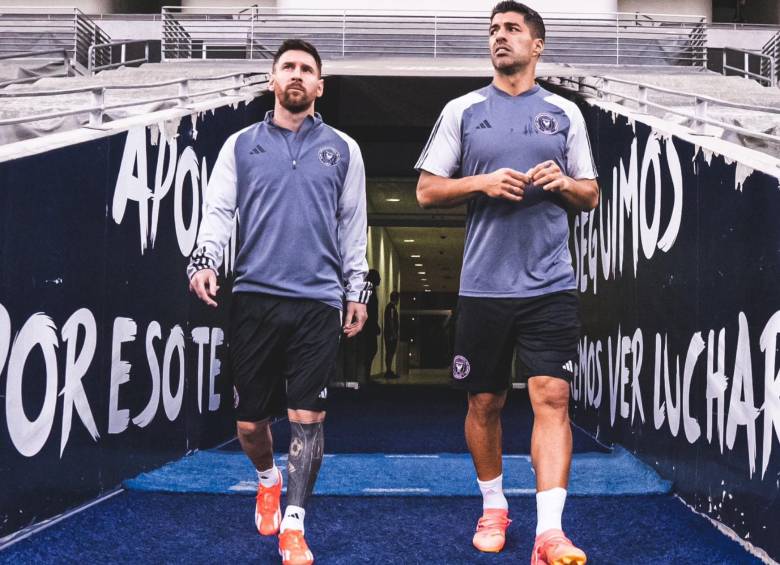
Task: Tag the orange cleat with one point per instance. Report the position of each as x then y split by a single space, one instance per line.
293 548
554 548
268 512
491 530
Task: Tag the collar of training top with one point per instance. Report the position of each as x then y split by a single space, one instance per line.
314 120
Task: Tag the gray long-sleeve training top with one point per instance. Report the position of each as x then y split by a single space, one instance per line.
301 200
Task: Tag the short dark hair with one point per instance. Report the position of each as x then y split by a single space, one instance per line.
298 45
532 18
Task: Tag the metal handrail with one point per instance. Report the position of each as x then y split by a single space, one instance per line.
701 105
703 97
202 32
765 62
93 68
98 107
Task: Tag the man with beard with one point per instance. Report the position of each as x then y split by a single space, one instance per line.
519 157
298 187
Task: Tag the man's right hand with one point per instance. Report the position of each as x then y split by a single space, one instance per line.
505 183
204 285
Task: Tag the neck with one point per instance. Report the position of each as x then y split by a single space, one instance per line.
288 120
521 81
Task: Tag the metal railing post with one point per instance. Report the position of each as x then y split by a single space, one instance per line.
252 33
91 59
96 115
146 51
344 33
237 82
643 94
746 63
700 113
123 53
723 70
184 92
435 34
617 39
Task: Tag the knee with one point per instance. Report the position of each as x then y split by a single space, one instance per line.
252 431
485 407
551 396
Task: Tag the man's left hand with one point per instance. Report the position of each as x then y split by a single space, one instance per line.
548 175
354 318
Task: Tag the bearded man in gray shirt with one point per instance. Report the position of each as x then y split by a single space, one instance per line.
298 188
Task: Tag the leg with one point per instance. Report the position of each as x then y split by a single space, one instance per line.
256 441
483 433
551 440
303 462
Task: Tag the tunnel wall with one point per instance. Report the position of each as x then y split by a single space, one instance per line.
678 270
108 365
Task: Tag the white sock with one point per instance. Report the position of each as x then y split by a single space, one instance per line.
493 493
269 477
293 518
549 509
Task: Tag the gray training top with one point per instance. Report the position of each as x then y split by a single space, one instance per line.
301 200
513 249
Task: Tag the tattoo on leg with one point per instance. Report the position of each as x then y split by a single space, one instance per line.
303 461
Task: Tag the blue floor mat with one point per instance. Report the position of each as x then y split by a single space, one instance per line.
415 419
191 529
220 472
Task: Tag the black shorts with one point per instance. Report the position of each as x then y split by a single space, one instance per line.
544 330
282 354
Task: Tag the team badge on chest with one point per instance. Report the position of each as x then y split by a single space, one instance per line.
329 156
546 123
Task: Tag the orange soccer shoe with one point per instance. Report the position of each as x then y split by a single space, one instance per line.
491 530
268 512
293 548
554 548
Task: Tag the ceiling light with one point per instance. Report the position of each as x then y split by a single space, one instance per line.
408 241
423 280
420 272
418 264
426 285
427 290
415 256
392 199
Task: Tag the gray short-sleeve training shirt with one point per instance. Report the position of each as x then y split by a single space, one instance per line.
513 249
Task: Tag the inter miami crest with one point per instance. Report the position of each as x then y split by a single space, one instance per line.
329 156
460 367
546 123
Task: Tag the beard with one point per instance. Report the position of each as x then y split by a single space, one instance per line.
507 66
295 101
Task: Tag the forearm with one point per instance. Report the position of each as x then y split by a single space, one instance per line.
581 195
434 191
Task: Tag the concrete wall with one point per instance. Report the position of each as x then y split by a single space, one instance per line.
543 6
89 6
383 257
695 7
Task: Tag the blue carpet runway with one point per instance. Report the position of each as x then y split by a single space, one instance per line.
397 488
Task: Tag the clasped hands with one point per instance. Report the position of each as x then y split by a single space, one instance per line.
510 184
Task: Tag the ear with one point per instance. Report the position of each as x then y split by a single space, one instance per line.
320 87
538 47
270 86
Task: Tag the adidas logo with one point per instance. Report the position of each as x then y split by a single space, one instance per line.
257 150
484 125
568 366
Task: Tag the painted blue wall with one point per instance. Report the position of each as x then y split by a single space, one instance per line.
681 262
106 359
